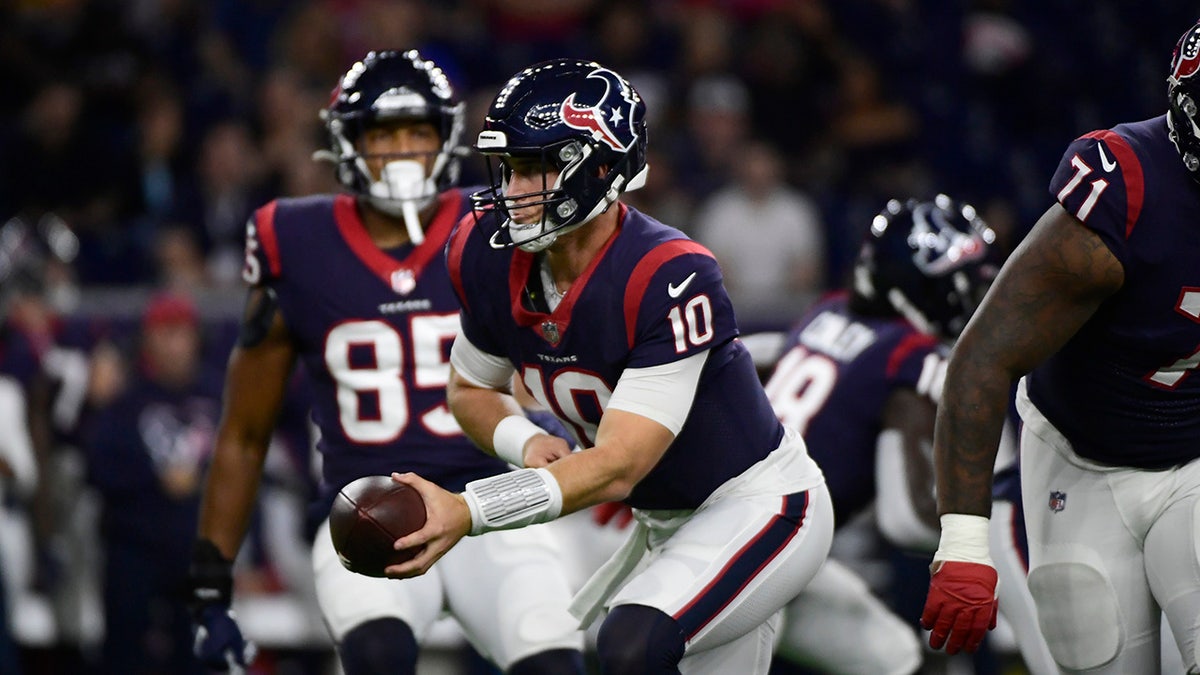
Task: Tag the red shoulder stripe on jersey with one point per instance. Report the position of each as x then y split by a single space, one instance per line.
639 280
1131 171
264 223
908 345
454 253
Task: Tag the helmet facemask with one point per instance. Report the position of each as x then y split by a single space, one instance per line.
384 88
1183 100
559 212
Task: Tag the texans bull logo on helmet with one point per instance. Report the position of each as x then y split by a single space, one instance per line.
592 118
1186 59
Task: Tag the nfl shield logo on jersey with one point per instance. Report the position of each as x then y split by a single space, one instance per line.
550 332
1058 501
403 281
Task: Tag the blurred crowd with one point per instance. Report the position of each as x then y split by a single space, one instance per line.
137 136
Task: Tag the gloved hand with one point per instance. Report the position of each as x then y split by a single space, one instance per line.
961 606
218 640
616 513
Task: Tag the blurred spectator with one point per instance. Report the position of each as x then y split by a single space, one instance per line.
767 235
179 260
661 194
718 127
707 42
146 454
289 127
788 70
54 162
227 192
308 42
160 153
865 121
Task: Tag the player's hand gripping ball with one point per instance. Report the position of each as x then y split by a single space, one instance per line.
367 518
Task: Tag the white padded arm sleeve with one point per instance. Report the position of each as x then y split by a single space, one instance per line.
479 367
898 519
16 446
662 393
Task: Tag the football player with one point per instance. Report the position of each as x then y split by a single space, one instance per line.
1097 313
860 376
622 327
356 286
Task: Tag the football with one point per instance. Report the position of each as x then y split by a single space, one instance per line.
367 517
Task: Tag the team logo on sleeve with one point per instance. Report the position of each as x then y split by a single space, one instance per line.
1058 501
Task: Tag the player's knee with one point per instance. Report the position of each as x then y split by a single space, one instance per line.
1077 610
379 646
550 662
637 640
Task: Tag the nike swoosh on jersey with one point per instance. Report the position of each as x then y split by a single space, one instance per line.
1107 163
676 291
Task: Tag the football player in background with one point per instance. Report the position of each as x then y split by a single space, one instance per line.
860 376
356 286
1097 313
621 326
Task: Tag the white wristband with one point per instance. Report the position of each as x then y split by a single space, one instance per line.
513 499
510 437
964 539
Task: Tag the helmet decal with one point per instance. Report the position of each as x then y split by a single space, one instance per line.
591 118
1186 59
939 246
586 124
927 261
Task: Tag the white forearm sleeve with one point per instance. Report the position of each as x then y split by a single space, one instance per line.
662 393
479 367
894 509
16 445
515 499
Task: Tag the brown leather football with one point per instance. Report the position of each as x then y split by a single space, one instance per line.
367 517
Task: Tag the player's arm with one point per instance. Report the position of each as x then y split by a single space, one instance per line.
646 410
906 509
255 383
1050 286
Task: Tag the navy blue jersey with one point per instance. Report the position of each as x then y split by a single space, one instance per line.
832 381
374 330
20 355
651 296
1123 390
131 447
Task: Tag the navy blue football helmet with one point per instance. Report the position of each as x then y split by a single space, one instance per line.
581 120
383 87
1183 95
929 262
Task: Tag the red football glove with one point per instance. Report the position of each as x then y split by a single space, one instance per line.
961 606
612 512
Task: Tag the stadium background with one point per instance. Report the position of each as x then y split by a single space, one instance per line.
137 136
